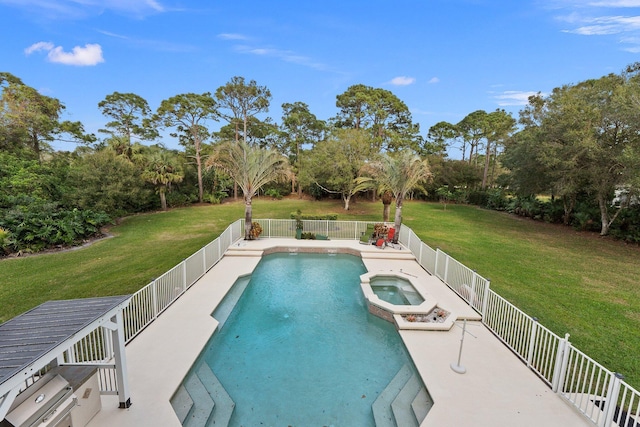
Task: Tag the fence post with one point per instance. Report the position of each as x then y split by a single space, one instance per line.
204 259
532 340
184 275
154 298
108 342
485 297
611 400
473 295
219 249
420 255
435 273
446 269
562 361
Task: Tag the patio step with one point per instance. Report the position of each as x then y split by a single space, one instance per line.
422 404
182 403
401 405
203 404
382 412
224 405
243 252
388 254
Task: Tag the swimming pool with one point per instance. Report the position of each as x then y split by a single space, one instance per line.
300 348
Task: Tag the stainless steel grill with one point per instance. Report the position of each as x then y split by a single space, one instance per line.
48 404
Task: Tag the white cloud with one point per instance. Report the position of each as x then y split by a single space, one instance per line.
284 55
433 80
79 9
615 3
583 4
605 25
38 46
90 54
514 97
232 36
402 81
595 18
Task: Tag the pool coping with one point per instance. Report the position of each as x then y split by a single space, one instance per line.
498 389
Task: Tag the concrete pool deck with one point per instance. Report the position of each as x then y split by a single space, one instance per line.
496 390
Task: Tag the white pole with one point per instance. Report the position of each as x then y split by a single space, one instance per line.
457 367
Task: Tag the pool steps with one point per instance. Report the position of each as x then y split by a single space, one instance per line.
203 404
421 404
182 403
202 400
221 413
403 403
401 406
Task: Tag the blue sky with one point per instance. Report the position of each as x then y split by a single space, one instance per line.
443 58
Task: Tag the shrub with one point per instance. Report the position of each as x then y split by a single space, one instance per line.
301 216
175 199
5 240
216 197
478 198
496 200
627 226
44 225
586 217
274 193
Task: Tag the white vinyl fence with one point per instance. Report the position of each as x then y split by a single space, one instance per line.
601 395
147 304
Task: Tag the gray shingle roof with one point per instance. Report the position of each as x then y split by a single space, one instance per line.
29 336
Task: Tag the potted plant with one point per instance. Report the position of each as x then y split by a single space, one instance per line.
380 230
299 224
256 230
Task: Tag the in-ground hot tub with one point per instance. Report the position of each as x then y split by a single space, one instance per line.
396 296
395 290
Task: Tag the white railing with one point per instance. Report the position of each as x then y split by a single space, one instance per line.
601 395
337 230
146 305
149 302
107 379
97 346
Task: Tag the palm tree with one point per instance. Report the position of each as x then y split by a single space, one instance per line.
162 171
387 197
251 167
399 174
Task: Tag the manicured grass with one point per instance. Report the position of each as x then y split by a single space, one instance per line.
143 247
576 283
572 282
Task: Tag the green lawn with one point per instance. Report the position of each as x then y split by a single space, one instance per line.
573 282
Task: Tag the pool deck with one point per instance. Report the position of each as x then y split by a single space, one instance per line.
496 390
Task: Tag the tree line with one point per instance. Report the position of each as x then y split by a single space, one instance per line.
577 145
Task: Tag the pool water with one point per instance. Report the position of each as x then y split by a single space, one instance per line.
390 294
300 347
395 291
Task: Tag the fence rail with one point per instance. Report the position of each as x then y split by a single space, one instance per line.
599 394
